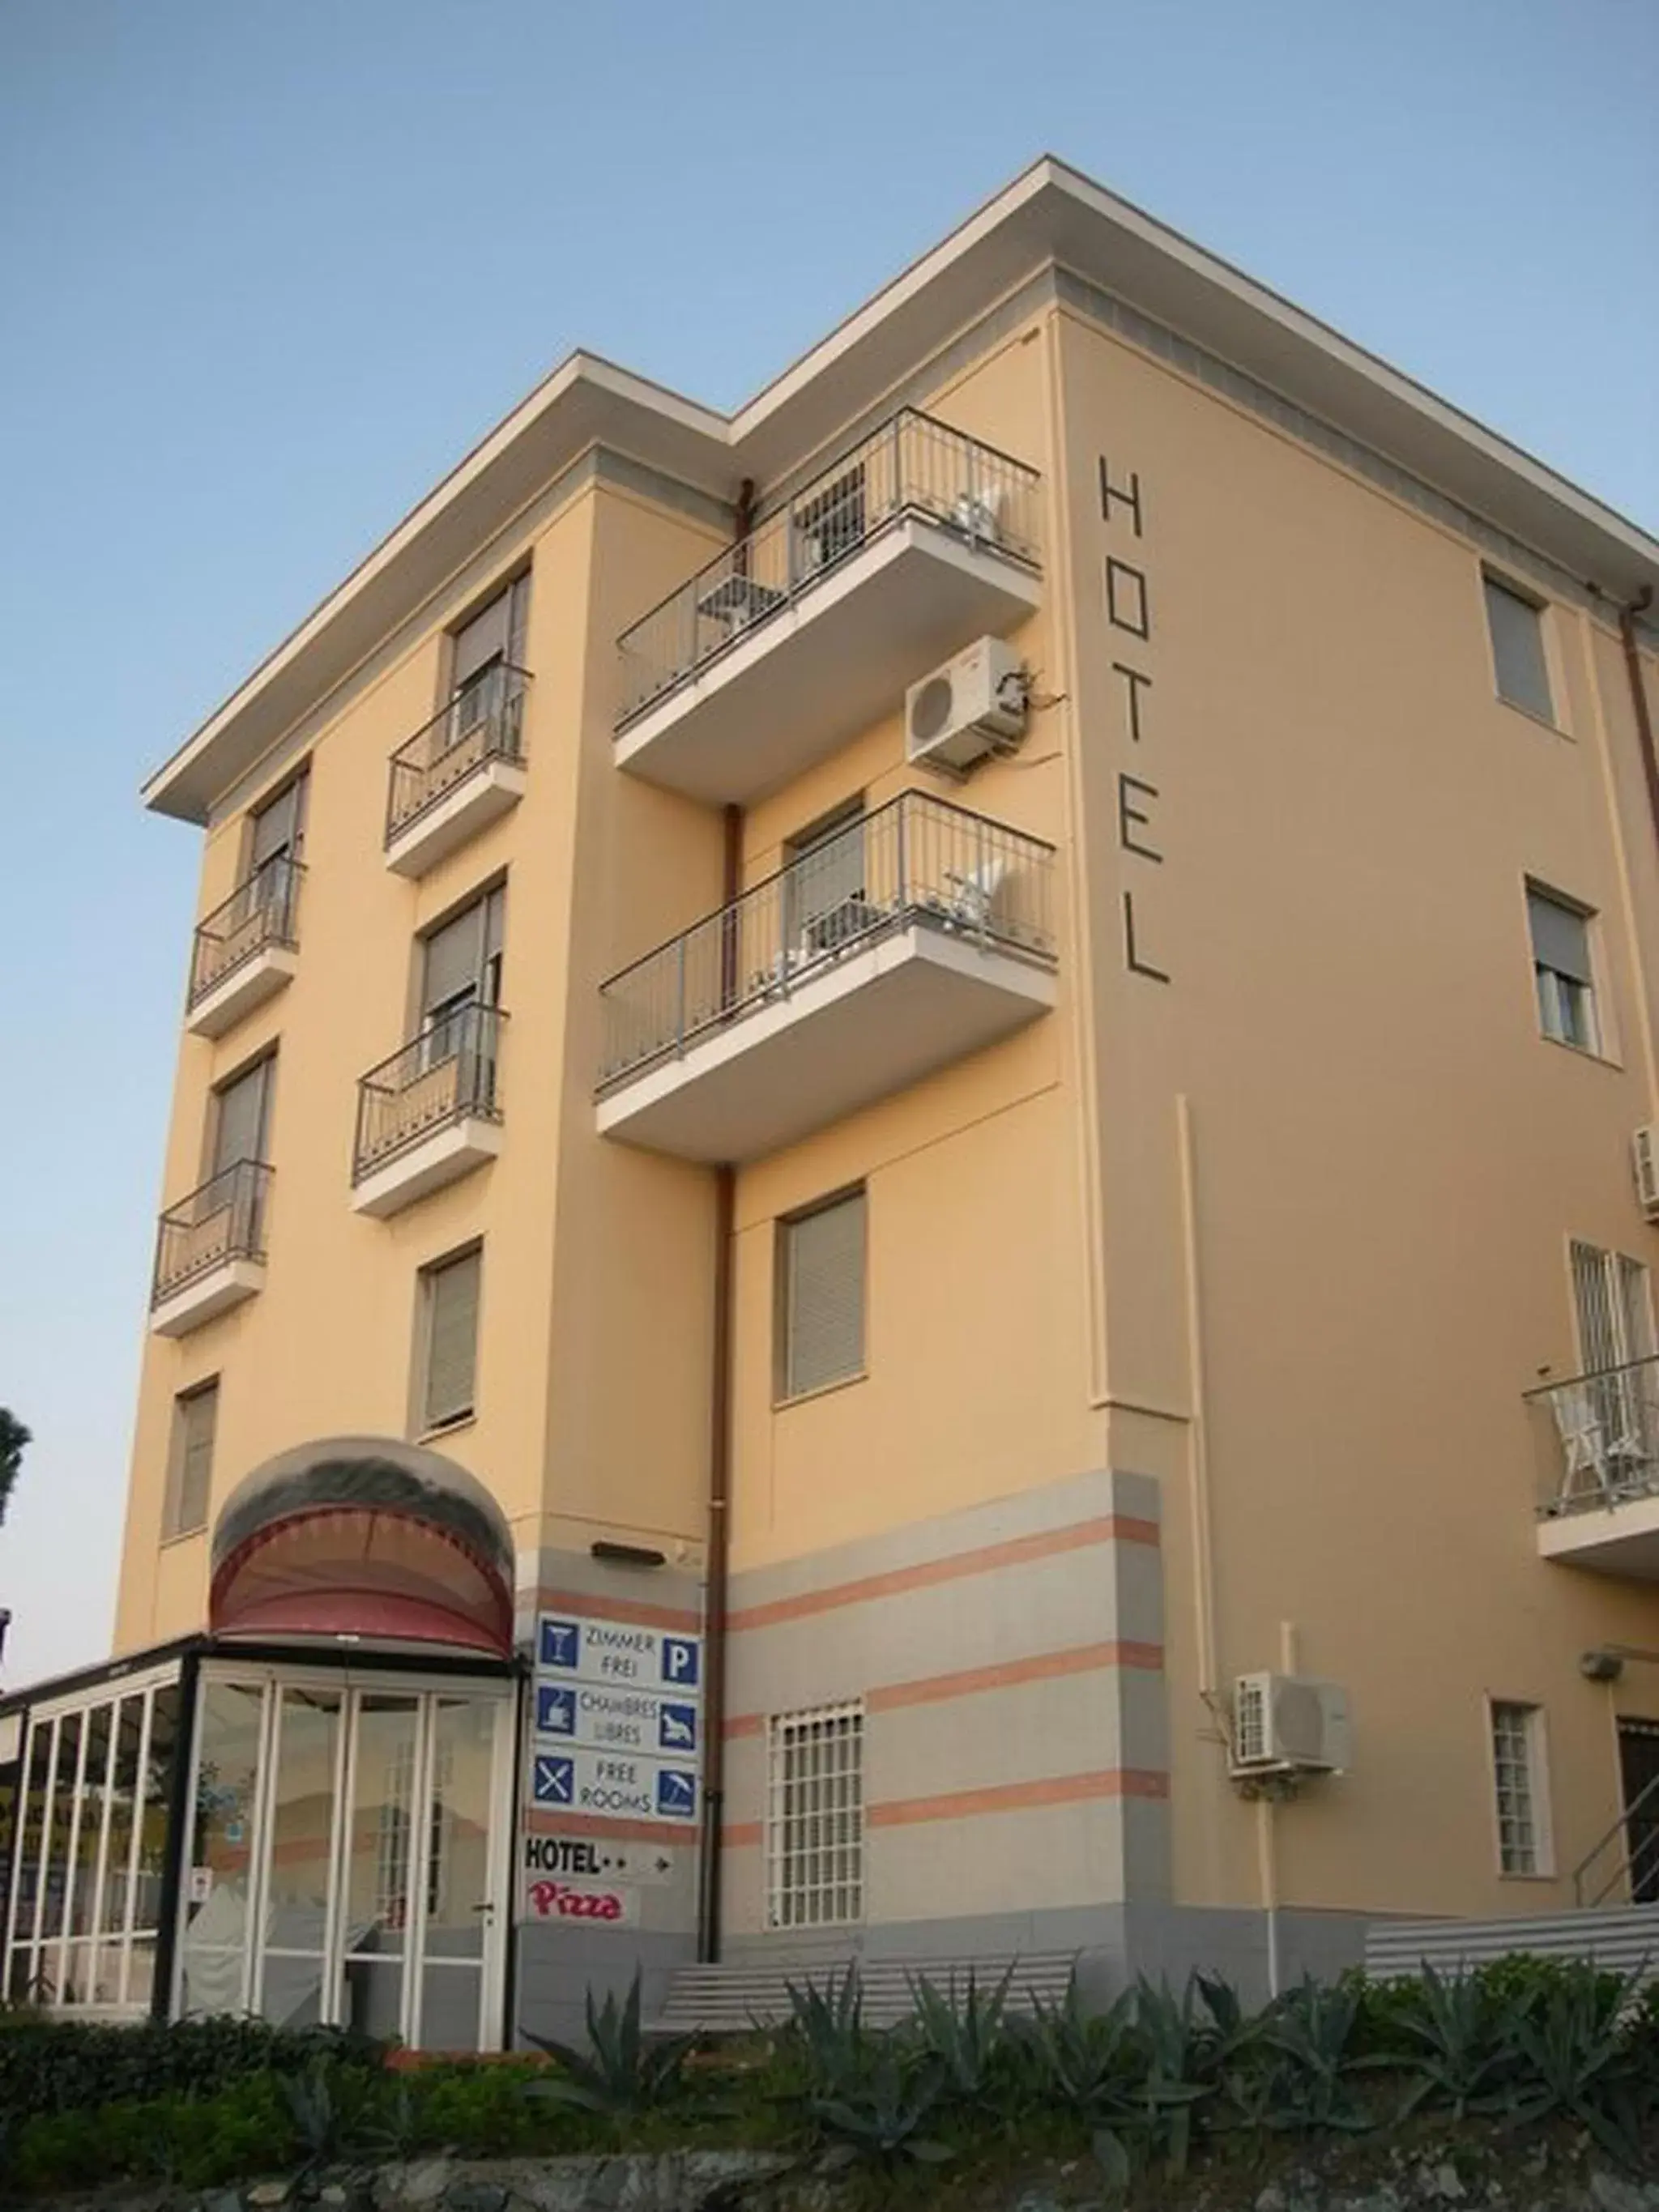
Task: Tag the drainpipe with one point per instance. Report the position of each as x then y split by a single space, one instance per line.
719 1445
1638 694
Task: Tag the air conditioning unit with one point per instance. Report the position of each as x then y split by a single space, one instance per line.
1284 1721
974 705
1644 1154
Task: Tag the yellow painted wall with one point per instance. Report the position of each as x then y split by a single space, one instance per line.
1387 1160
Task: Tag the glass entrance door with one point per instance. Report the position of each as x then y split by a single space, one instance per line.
350 1857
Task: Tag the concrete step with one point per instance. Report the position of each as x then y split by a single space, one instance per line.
1625 1938
734 1999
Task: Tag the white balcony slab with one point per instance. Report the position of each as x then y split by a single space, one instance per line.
868 1024
205 1295
443 1156
1620 1539
827 665
240 989
489 789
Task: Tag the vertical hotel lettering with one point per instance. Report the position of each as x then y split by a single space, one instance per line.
1129 609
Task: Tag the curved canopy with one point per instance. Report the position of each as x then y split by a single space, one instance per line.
364 1536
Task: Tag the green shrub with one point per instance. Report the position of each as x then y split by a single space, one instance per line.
61 2065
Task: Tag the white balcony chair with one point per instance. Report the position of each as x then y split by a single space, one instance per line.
1586 1471
972 903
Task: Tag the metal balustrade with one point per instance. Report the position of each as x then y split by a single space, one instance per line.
916 860
450 1072
262 910
1598 1438
912 466
483 721
224 1220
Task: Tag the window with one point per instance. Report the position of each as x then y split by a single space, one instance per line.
821 1296
496 634
1516 625
189 1460
815 1818
277 829
449 1332
1561 968
1614 1307
241 1111
825 904
461 961
1519 1793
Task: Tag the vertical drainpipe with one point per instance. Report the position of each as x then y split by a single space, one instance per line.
719 1391
1638 694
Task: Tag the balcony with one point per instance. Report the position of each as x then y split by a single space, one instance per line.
430 1114
914 937
1598 1442
914 543
246 950
210 1250
457 773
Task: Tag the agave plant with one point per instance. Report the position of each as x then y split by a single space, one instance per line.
1086 2061
623 2070
879 2120
826 2025
1578 2063
968 2039
1305 2055
1463 2052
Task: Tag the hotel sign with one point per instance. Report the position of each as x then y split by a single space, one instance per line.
616 1720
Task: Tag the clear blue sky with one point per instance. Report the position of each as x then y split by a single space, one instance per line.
268 267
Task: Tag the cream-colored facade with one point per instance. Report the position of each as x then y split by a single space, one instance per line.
1219 1210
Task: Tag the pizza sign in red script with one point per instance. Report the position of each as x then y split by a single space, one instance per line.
558 1900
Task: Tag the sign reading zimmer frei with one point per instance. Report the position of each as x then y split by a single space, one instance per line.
618 1720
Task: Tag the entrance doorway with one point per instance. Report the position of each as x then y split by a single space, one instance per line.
1638 1775
350 1854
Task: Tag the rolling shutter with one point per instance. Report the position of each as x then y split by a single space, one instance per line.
823 1296
452 1343
195 1419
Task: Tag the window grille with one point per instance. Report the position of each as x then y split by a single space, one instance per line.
815 1818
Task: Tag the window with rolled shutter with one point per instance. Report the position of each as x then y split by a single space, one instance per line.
1561 966
451 1303
1516 625
496 632
821 1311
241 1109
190 1474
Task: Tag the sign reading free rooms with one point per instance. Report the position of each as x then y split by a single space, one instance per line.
616 1720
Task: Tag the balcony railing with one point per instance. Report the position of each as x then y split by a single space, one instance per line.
912 465
448 1073
916 860
483 721
1598 1437
262 911
224 1220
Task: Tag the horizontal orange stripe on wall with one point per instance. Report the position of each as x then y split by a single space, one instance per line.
632 1610
1045 1544
1042 1666
1015 1796
741 1835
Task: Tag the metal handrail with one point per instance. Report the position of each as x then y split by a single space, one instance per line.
483 720
448 1072
261 911
222 1220
1598 1437
1620 1827
912 465
917 860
